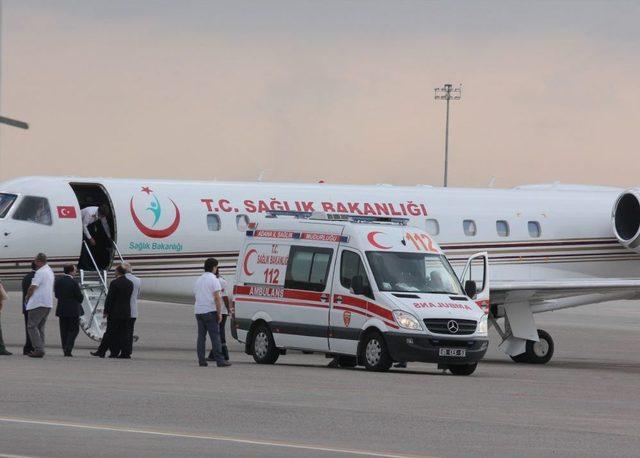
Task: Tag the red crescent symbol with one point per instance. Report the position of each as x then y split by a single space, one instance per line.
371 237
156 233
246 260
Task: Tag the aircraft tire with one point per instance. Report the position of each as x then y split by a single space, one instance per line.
540 352
263 347
537 352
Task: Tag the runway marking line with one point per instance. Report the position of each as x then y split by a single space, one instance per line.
232 439
6 455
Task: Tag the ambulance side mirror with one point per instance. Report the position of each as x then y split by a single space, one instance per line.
357 285
470 288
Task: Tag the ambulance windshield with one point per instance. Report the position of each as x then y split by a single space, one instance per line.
413 273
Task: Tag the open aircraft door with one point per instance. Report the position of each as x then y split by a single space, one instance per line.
475 279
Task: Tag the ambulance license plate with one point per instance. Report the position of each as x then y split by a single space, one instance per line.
453 352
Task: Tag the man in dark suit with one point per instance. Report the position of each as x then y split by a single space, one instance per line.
69 310
117 309
26 283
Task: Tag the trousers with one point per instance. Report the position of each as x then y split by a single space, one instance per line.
69 329
208 324
35 326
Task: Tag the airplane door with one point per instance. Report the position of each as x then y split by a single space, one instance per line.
477 270
345 319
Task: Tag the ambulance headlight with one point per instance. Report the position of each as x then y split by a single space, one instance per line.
483 325
406 320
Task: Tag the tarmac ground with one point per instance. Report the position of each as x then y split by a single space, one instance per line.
585 402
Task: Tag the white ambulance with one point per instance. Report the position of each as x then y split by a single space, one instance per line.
366 291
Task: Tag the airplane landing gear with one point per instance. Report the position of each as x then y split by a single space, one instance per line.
537 352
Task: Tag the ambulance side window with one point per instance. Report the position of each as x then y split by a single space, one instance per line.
350 266
308 268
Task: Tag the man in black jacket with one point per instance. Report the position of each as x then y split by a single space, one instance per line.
117 309
26 283
69 309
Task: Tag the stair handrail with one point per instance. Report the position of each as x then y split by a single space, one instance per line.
115 245
95 264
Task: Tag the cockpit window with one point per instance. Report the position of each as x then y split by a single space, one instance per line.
34 210
413 273
6 201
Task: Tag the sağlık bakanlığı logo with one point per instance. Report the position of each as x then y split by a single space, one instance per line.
154 211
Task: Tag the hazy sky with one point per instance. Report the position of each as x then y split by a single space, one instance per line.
333 90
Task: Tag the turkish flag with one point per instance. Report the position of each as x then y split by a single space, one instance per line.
67 212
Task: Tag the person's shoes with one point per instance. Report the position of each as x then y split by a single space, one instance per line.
68 354
96 353
36 354
400 365
210 358
224 364
123 357
5 353
203 364
113 356
26 351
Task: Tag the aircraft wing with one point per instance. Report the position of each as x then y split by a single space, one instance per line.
539 292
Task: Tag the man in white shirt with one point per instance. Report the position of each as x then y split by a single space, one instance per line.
225 315
208 312
91 215
39 303
137 283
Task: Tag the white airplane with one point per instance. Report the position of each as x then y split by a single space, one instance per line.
551 246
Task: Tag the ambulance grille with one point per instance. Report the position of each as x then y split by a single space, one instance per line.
442 326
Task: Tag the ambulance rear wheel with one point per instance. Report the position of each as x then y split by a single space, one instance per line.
374 354
463 369
264 348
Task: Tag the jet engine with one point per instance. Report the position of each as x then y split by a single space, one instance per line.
626 219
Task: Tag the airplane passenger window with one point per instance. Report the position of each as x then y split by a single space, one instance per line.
213 222
242 222
433 227
34 210
469 227
534 229
6 201
502 227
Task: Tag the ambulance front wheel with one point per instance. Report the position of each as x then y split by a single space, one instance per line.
463 369
537 352
374 354
264 348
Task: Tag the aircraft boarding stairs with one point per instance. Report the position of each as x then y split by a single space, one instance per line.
94 286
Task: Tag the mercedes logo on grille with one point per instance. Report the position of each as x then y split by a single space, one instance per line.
452 326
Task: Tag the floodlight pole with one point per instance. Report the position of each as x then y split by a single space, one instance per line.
448 93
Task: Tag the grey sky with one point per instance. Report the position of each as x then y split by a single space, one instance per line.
341 91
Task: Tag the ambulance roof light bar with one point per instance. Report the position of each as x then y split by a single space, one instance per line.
324 216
